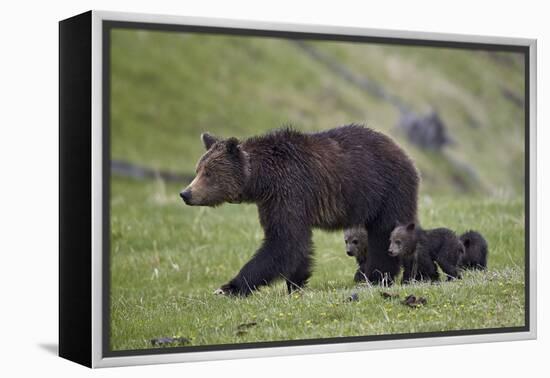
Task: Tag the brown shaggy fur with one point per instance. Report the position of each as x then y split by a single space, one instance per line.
339 178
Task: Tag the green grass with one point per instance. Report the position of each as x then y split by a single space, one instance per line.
167 258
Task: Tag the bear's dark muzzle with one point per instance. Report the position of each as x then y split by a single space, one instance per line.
186 196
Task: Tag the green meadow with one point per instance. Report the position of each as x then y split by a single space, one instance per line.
166 259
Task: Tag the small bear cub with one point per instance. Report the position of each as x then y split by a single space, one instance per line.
419 250
356 239
475 246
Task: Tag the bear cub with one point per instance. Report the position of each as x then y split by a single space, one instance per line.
419 250
356 240
475 246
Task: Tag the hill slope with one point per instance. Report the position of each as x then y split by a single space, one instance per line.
167 88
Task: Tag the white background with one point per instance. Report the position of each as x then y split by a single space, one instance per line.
29 189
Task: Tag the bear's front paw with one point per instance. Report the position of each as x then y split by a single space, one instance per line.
360 276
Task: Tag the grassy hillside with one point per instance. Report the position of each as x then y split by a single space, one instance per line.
169 87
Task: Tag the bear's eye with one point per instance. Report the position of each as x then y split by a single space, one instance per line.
346 241
355 242
398 242
206 173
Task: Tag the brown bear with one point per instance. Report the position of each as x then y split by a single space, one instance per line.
475 256
335 179
356 240
420 250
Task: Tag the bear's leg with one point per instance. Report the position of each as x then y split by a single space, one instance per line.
299 278
483 261
277 258
380 267
407 272
359 276
449 269
433 274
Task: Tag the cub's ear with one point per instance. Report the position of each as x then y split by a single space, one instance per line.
411 226
232 146
208 140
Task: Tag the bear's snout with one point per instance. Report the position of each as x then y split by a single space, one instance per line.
186 196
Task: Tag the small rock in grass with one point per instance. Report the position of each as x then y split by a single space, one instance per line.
414 302
354 297
165 341
244 326
387 295
242 329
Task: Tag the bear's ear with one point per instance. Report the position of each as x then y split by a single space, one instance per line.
411 226
466 243
232 146
208 140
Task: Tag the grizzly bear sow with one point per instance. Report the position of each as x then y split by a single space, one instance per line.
339 178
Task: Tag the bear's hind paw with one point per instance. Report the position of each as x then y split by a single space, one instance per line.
219 291
230 289
226 290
